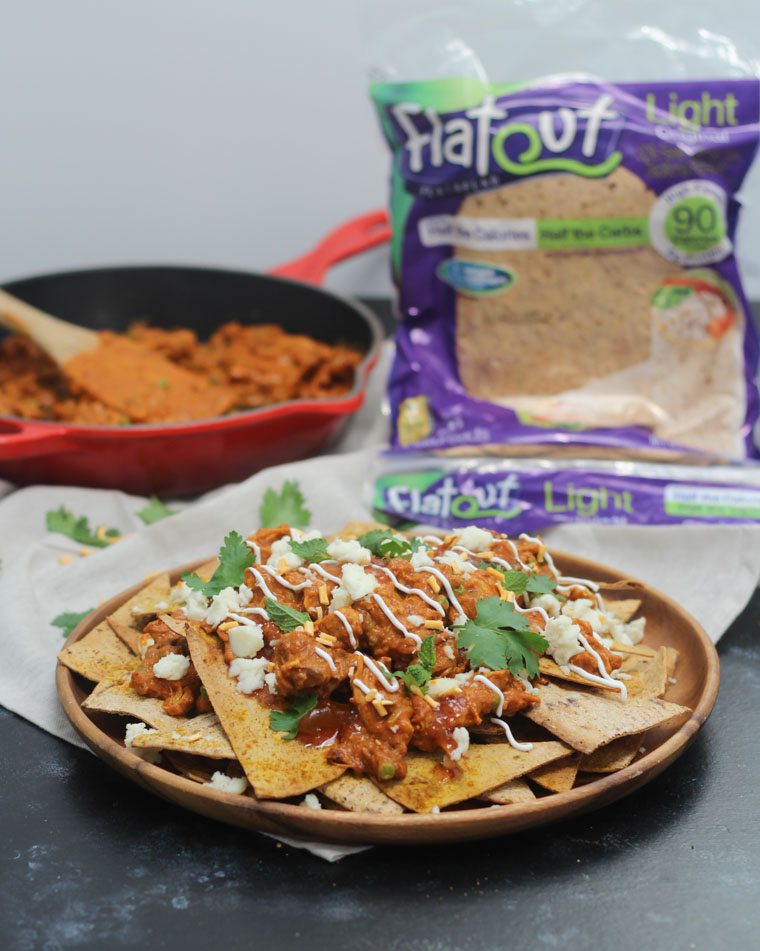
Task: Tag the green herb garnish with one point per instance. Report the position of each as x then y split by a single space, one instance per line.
234 557
154 511
518 582
69 620
66 523
287 721
383 543
287 619
284 507
419 673
498 638
313 550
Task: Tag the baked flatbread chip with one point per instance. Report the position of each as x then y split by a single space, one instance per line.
121 698
549 668
360 794
427 784
557 777
201 736
276 768
586 720
516 790
128 623
623 610
613 756
99 656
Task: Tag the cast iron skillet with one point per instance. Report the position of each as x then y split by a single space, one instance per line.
174 459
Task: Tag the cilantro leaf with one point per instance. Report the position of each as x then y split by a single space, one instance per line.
287 721
384 543
498 638
287 619
69 620
234 557
286 506
312 551
518 582
64 522
154 511
419 673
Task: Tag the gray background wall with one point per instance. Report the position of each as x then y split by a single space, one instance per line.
232 133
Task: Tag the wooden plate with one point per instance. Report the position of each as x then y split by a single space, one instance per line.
696 686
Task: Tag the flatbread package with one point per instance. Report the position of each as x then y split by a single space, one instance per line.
564 252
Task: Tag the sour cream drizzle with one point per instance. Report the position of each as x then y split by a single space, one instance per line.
394 620
325 656
245 620
564 580
321 571
260 611
604 677
449 590
418 591
490 684
261 583
254 548
349 630
537 608
361 685
390 686
515 744
283 581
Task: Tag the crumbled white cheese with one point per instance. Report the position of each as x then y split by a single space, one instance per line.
355 584
448 651
550 604
282 552
415 620
464 677
171 667
250 673
271 681
299 535
456 561
246 640
441 686
349 551
562 635
227 600
421 559
630 633
474 538
435 810
161 606
311 801
584 610
194 603
244 594
133 731
462 740
228 784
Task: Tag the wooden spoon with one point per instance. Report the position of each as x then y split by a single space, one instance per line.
124 375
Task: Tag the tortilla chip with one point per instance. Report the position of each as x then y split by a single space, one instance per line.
588 719
671 660
549 668
623 610
207 569
641 649
121 698
360 794
516 790
200 736
99 656
557 777
614 756
649 675
275 767
128 624
428 784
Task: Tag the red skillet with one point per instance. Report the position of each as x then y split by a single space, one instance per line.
174 459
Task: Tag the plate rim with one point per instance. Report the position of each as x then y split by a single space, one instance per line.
323 823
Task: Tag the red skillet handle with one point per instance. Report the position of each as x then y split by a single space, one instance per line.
22 440
353 237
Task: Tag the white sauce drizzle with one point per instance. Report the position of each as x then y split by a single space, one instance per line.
254 548
500 561
431 538
244 620
418 591
492 686
261 583
349 630
449 590
537 608
515 744
321 571
283 581
260 611
604 677
325 656
391 686
512 545
394 620
564 580
361 685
